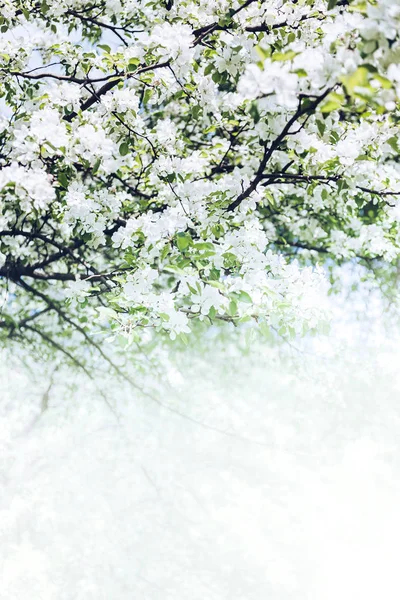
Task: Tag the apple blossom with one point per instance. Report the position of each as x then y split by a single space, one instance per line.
166 163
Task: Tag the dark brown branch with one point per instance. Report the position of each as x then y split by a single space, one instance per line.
201 33
69 78
32 235
12 325
55 307
268 151
116 30
58 347
292 178
95 97
263 27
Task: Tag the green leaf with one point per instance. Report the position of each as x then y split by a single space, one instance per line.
147 95
358 79
192 289
386 84
281 56
164 252
183 241
217 230
183 262
196 110
216 284
171 177
321 127
332 4
204 246
254 112
265 330
124 149
96 166
133 64
333 102
263 53
184 338
393 143
63 179
44 7
106 313
232 310
244 297
174 269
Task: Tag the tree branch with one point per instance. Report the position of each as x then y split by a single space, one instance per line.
268 151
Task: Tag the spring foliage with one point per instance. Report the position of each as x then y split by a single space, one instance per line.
170 162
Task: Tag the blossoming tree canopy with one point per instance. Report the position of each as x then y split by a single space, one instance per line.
163 162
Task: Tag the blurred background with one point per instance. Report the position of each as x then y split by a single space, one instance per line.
247 469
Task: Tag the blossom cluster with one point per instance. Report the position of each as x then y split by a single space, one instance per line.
184 161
